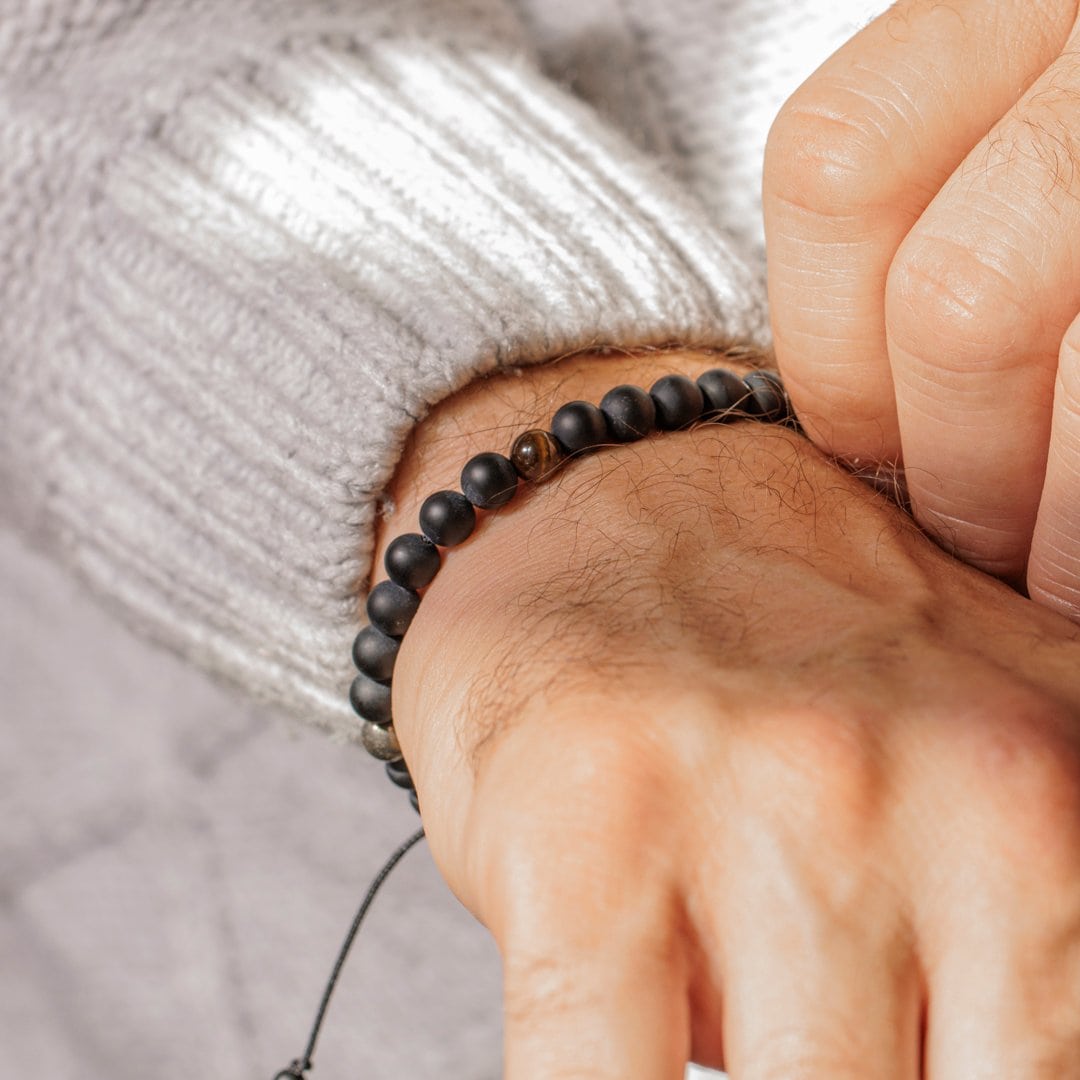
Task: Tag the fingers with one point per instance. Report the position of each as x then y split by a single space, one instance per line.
608 1005
818 963
852 161
978 300
994 883
991 1015
842 1014
1054 567
829 999
576 857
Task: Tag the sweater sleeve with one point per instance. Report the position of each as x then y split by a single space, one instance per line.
248 248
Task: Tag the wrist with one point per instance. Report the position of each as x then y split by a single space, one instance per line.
489 413
738 487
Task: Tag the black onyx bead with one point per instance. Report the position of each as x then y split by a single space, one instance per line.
447 518
767 398
489 480
374 653
724 391
398 772
535 454
391 608
412 560
370 699
578 426
629 412
678 400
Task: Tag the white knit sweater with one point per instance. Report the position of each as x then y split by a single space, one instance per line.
248 243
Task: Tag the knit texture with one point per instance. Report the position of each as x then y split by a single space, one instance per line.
250 248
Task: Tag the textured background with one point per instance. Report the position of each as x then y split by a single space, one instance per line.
177 871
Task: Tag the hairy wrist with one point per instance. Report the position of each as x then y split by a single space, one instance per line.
489 413
670 537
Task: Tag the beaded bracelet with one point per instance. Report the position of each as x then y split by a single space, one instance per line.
490 480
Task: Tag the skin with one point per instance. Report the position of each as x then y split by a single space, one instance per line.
736 765
922 210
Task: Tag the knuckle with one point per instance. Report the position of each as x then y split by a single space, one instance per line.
952 309
825 160
831 765
622 778
1026 783
597 807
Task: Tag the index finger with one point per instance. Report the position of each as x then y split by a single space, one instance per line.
979 299
853 160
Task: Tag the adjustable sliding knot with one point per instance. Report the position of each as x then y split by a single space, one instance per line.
295 1071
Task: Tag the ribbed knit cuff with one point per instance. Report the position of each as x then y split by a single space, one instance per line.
278 281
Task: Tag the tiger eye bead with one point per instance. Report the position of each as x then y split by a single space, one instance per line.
379 741
535 454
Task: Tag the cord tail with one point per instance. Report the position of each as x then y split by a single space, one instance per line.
297 1069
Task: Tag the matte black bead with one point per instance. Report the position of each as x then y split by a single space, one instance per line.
678 400
398 772
767 398
374 653
629 412
447 518
370 699
391 608
724 391
412 560
380 741
489 480
579 425
535 454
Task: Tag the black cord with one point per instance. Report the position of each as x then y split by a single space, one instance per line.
300 1065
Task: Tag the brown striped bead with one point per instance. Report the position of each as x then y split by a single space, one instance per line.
535 454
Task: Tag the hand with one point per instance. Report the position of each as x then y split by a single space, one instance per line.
922 212
737 766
